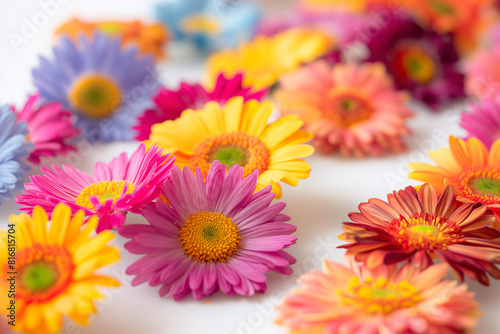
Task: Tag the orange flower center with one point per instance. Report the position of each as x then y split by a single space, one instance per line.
480 184
348 109
209 237
231 149
103 191
378 295
44 272
415 64
425 231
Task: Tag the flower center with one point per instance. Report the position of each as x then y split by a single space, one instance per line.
95 96
347 109
424 231
209 237
111 28
44 272
413 63
199 23
231 149
378 296
441 8
104 191
480 184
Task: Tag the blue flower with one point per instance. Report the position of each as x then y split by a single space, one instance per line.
211 24
14 149
103 84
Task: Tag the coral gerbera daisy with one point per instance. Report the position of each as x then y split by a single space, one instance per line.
170 104
356 299
216 234
419 227
265 59
349 108
50 129
56 268
116 188
483 74
421 61
14 149
483 122
238 134
105 86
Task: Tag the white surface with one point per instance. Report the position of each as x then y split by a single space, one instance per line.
317 205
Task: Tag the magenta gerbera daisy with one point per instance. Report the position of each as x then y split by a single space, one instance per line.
483 122
215 235
50 128
171 103
124 185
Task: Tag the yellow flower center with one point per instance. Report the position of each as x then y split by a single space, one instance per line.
347 109
95 95
209 237
441 7
378 295
231 149
413 63
424 231
111 28
480 184
200 23
104 191
44 272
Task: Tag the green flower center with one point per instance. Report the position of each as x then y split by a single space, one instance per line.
39 277
441 7
423 229
385 293
231 155
485 186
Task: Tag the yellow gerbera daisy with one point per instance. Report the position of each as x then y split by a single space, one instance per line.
237 133
265 59
54 268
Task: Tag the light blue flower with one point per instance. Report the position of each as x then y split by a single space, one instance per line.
211 24
14 150
105 85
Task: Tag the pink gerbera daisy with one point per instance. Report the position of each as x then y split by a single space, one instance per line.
350 108
170 104
483 73
354 299
483 122
50 128
216 234
121 186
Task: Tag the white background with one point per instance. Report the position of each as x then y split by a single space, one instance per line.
317 205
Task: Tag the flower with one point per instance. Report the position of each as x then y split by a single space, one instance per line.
349 108
56 268
121 186
149 39
237 134
50 129
484 121
265 59
14 149
335 5
170 104
483 75
421 61
89 79
357 299
216 234
419 227
210 25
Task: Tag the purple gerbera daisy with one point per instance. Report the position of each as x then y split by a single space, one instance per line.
421 61
215 234
483 122
170 104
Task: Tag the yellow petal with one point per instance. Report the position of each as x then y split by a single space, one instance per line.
39 225
61 218
291 153
280 130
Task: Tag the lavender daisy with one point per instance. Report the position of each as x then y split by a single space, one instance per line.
14 149
104 85
215 235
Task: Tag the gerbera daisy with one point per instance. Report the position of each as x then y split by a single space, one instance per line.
56 268
14 149
149 39
483 122
116 188
483 73
356 299
265 59
421 61
104 86
238 134
419 227
170 104
216 234
50 129
349 108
